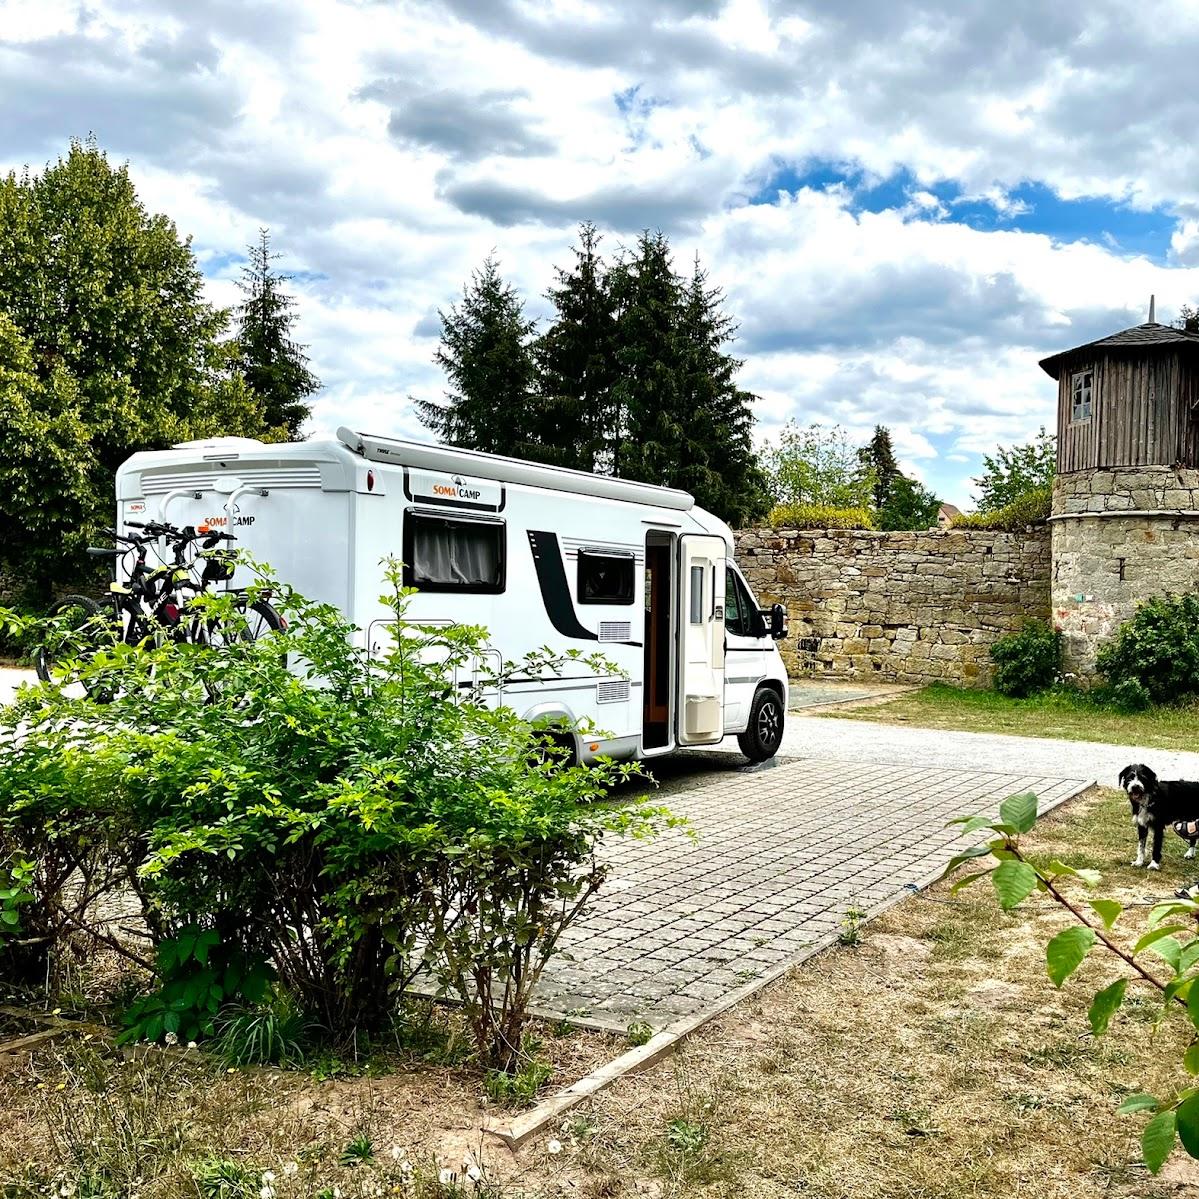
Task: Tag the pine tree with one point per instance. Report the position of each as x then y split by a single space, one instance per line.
910 506
486 353
878 456
275 366
573 417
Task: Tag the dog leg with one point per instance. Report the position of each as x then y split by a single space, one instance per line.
1190 853
1142 836
1155 863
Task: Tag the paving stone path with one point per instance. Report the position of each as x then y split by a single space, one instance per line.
779 856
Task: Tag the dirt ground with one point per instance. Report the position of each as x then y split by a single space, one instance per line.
933 1060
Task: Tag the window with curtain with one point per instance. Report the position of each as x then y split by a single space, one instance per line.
444 553
606 577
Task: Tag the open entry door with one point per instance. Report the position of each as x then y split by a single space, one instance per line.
700 696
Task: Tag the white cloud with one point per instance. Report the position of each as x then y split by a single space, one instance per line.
390 147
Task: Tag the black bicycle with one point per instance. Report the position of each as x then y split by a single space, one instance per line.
157 602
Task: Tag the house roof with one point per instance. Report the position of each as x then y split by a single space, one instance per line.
949 510
1139 339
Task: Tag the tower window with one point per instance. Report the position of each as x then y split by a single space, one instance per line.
1080 396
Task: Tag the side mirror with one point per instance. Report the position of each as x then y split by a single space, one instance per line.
778 622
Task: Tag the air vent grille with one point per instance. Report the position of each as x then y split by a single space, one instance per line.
615 630
612 693
293 476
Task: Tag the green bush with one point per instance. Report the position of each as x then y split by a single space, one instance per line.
355 827
1157 650
820 516
1027 661
1030 509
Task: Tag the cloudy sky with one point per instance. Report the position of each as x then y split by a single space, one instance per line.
907 203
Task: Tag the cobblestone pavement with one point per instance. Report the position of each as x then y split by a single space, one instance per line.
780 854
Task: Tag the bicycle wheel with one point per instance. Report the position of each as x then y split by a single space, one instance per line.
80 625
254 619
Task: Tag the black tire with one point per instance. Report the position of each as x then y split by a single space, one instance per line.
764 733
75 612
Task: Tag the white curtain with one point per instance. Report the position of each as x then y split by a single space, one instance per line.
456 554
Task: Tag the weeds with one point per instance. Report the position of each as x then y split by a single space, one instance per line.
262 1036
639 1033
851 927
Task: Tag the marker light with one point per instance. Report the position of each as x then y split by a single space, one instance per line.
370 480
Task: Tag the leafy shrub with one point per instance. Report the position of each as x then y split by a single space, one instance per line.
1028 661
1158 649
820 516
1128 695
199 974
16 879
355 828
1032 508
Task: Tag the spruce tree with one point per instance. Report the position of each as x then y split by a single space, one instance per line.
573 415
646 431
274 365
717 461
486 353
878 456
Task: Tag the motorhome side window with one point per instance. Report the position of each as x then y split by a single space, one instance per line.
606 577
447 553
739 608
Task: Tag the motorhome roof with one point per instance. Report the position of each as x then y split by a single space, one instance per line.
510 470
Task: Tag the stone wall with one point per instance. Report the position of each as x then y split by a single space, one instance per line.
900 607
1119 536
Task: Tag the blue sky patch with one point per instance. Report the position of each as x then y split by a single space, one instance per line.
1035 207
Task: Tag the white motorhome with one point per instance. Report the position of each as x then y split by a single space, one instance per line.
539 555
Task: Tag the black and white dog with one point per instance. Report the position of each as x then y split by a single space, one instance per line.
1156 804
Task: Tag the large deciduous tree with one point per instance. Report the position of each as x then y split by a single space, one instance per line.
816 464
909 505
273 362
1016 471
107 346
486 352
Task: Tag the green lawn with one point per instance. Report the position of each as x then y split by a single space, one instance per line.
1058 713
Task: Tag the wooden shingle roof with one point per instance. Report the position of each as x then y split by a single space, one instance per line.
1139 339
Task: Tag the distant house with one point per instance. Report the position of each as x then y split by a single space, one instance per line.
945 515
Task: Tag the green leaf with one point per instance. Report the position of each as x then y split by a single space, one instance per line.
1092 878
1013 882
1019 811
972 824
1108 910
1190 955
967 880
1187 1121
1105 1005
1169 950
979 851
1140 1102
1190 1059
1193 1004
1156 935
1064 954
1157 1140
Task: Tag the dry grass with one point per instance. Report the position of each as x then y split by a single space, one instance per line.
933 1061
1063 714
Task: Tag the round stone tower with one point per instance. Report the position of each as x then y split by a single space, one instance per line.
1126 501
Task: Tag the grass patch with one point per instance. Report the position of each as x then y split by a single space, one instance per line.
1063 713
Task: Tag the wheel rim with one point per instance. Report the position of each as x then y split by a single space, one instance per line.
770 723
